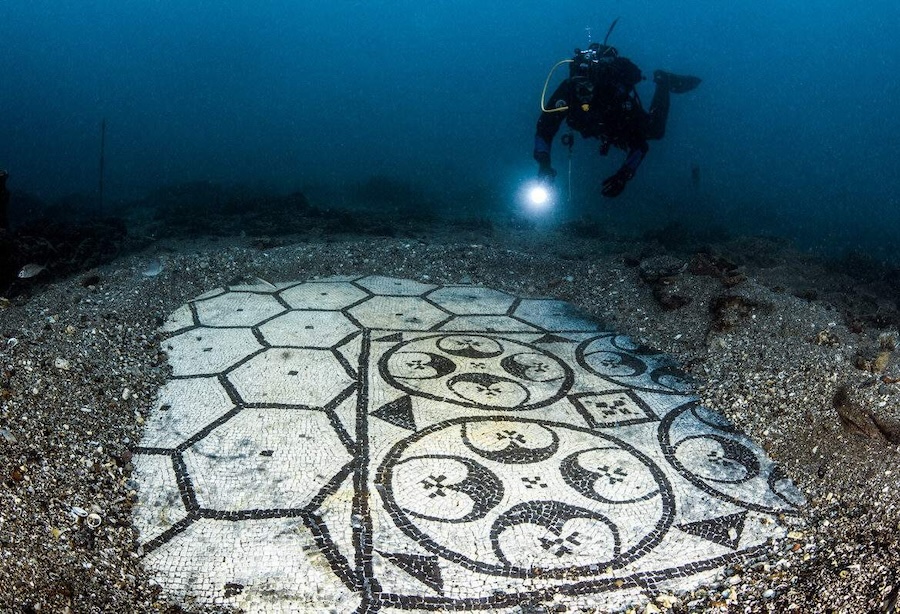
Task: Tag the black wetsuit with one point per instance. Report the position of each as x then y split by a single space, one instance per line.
606 108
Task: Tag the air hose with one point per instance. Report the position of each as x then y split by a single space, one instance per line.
568 139
547 83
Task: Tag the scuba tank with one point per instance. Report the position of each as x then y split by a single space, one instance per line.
586 68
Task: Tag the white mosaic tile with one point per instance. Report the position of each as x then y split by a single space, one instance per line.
284 285
350 352
377 284
210 294
316 329
398 313
259 565
180 319
333 278
183 408
553 315
159 505
207 351
472 300
490 324
321 295
288 376
254 284
265 459
464 450
346 415
237 309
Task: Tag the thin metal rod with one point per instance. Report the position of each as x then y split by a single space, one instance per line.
102 160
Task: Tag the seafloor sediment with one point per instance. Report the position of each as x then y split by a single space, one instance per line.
790 351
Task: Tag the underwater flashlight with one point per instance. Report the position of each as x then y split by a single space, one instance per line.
538 195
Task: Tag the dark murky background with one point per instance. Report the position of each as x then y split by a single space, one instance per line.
410 105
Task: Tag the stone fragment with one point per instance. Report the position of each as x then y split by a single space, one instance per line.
670 293
728 310
857 418
658 267
827 338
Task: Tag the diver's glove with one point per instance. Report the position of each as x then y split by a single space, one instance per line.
614 185
546 173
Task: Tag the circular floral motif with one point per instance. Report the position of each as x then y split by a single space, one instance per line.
610 475
717 458
488 507
707 449
615 364
510 442
477 371
446 488
619 359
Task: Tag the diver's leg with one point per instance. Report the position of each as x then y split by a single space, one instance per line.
666 83
677 84
659 112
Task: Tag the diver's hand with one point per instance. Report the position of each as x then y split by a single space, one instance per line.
614 185
546 173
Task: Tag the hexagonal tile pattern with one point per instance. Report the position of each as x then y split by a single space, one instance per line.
398 313
464 450
472 300
206 351
393 286
317 329
237 309
183 407
323 295
276 447
159 505
289 376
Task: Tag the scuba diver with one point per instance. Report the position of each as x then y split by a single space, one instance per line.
599 100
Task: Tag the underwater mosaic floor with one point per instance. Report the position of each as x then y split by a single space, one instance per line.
377 445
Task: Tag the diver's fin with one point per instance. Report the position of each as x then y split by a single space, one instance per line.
677 84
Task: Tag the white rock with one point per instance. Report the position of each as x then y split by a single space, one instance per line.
666 601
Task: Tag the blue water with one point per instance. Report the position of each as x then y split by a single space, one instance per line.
795 127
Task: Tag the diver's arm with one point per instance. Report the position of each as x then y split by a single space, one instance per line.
634 158
548 125
614 185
